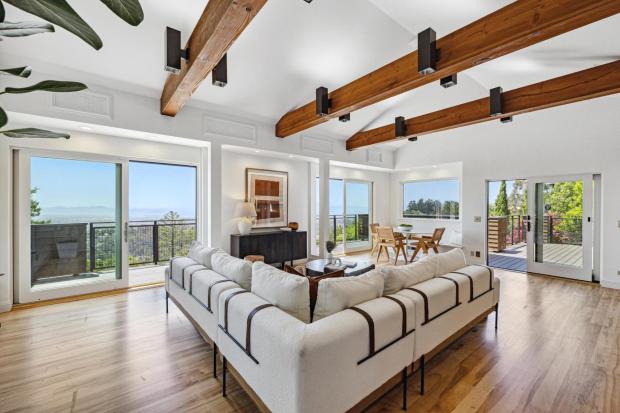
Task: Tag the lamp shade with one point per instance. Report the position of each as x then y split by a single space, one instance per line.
246 209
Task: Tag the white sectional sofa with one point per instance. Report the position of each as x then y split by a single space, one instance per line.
368 331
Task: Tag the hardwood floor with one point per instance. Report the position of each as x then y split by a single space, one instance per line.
557 349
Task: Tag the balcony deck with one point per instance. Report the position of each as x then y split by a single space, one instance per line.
515 257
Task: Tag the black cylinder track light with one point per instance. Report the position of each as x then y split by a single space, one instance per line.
219 75
322 101
400 127
506 119
427 52
495 101
345 118
448 81
413 139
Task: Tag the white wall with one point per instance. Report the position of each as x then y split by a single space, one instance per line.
233 188
82 143
443 171
579 138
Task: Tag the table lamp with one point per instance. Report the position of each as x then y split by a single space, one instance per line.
246 212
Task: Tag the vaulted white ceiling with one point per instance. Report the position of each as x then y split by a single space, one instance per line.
292 47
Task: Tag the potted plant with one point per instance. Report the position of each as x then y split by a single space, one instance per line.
405 227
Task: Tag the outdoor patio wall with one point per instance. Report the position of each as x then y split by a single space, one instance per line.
234 165
425 173
80 142
578 138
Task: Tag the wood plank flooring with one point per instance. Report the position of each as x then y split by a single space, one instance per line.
557 349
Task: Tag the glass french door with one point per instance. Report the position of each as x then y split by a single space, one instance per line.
357 215
560 229
71 232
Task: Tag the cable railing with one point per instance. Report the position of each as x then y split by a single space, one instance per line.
556 229
352 227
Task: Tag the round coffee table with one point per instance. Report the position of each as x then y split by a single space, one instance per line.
317 267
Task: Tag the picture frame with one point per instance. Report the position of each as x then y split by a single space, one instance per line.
268 191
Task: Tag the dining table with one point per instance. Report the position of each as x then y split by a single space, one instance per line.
419 238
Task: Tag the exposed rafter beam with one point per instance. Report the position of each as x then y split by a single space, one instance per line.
219 26
514 27
587 84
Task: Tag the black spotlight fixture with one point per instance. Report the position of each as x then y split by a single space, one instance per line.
495 101
448 81
322 101
506 119
308 1
345 118
400 127
219 75
174 53
413 139
427 52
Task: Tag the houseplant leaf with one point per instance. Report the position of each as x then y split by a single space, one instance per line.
21 29
48 86
128 10
33 133
24 71
59 12
3 118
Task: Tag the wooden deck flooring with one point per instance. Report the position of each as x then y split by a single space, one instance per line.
515 258
557 349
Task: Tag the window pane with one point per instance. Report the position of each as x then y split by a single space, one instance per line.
431 199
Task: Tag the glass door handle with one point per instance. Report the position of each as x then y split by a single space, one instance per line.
126 231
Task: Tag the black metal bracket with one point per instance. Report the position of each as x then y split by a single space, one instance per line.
323 102
174 53
219 75
400 127
427 52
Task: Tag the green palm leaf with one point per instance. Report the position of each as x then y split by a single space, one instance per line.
3 118
20 29
48 86
34 133
128 10
24 71
59 12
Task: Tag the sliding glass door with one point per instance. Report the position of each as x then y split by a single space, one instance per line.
560 237
71 230
357 213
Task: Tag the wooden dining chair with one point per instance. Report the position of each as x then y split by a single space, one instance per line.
388 239
375 238
426 243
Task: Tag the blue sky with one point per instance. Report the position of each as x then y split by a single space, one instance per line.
357 197
442 190
84 184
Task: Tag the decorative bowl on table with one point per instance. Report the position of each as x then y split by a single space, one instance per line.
404 227
294 226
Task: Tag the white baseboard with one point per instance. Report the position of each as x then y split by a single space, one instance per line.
610 284
5 306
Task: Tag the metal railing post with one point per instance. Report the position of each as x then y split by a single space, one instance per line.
335 231
356 232
92 241
155 242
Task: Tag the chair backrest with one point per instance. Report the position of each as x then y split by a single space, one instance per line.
374 227
385 233
437 234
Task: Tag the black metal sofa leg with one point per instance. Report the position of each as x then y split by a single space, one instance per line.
167 295
224 367
404 382
422 375
214 360
496 314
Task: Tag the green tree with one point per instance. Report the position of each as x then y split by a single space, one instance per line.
35 208
517 200
565 200
501 202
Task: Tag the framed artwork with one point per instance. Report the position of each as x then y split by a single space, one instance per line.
268 191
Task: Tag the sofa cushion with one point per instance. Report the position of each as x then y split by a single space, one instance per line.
206 285
202 254
450 261
233 268
479 280
433 297
288 292
398 277
337 294
181 268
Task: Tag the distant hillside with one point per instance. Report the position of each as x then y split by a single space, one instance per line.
60 215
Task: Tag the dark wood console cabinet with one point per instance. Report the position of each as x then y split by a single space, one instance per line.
276 246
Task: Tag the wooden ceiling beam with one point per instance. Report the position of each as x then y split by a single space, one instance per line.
587 84
511 28
219 26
